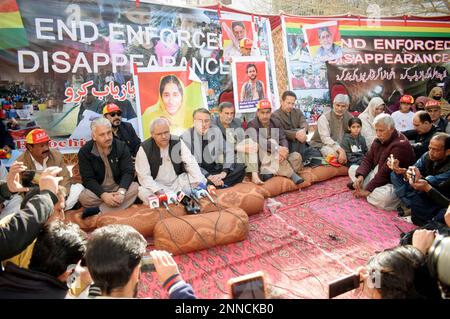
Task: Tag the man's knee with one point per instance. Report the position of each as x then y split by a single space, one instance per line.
384 197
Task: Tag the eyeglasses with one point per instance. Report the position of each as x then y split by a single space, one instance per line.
112 114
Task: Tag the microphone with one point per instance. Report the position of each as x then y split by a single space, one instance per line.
188 203
153 201
199 193
207 191
172 198
163 200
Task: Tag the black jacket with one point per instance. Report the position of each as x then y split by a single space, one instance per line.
5 137
127 134
421 141
20 283
92 168
19 230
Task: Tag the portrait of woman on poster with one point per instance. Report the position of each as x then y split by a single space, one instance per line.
328 50
170 105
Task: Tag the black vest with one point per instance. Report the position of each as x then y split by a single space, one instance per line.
154 155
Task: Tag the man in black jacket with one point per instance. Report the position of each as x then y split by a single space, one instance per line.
106 171
122 130
57 247
423 132
18 230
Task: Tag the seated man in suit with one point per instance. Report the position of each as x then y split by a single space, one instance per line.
273 146
38 156
165 164
122 130
216 158
245 150
106 172
295 126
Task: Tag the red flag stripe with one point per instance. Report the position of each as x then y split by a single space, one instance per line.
8 6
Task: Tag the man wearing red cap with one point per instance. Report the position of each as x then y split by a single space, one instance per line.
245 46
39 156
434 109
122 130
403 118
273 145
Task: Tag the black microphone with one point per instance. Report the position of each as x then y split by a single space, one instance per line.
189 205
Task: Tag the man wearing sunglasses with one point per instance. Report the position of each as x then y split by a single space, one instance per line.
122 130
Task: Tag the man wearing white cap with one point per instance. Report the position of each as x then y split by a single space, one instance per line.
331 127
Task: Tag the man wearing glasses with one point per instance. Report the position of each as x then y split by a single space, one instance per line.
214 156
122 130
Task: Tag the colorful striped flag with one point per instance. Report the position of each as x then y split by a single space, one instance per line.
12 31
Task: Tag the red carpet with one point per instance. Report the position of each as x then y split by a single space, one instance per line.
315 236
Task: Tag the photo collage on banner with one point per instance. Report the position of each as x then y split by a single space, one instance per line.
307 77
61 61
324 41
372 63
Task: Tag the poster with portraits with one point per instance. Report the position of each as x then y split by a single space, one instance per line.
61 61
172 93
324 41
250 82
238 37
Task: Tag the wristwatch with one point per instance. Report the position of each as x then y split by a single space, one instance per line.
122 192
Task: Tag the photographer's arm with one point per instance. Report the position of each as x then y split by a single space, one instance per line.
169 276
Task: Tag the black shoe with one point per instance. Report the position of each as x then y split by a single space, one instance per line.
350 186
297 179
91 211
265 177
306 163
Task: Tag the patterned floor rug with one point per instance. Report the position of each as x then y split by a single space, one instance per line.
302 240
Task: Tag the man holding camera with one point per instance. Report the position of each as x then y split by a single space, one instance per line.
39 156
434 169
114 257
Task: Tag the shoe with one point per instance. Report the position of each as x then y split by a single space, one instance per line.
91 211
350 185
306 163
265 177
297 179
403 211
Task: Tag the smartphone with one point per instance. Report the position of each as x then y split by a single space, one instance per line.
251 286
147 264
27 177
342 285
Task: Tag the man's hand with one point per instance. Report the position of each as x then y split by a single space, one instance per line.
447 216
283 153
13 178
165 266
342 157
421 185
361 193
395 167
358 183
120 195
217 179
423 239
110 199
49 179
300 135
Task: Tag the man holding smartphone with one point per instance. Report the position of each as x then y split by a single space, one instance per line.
434 169
113 257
